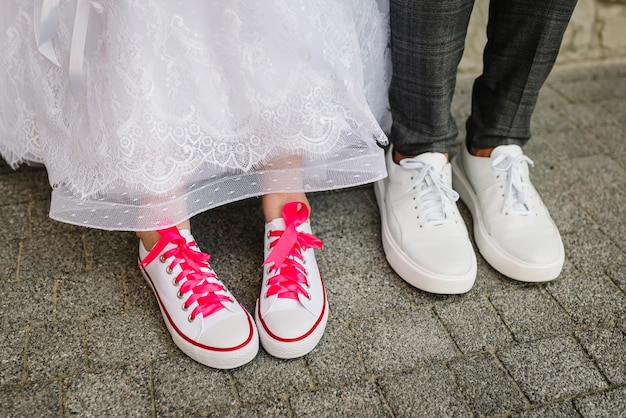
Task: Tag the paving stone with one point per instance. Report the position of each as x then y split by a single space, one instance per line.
15 222
589 299
9 253
587 115
183 387
437 396
618 275
335 211
119 392
558 410
42 258
35 400
474 325
606 404
12 360
567 214
551 369
128 337
486 386
357 401
56 350
616 232
591 251
592 173
25 303
24 187
365 294
336 359
44 226
585 91
360 251
89 294
531 314
269 409
606 206
106 248
401 341
608 348
286 377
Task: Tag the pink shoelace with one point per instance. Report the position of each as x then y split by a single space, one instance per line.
286 255
191 263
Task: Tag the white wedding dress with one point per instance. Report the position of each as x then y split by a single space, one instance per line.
147 112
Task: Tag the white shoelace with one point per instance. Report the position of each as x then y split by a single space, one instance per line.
432 192
516 196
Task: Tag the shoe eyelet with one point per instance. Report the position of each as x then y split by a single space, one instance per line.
185 307
309 297
162 258
168 270
303 261
190 319
269 248
175 282
179 295
231 299
268 234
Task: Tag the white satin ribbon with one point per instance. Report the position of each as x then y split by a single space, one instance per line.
46 17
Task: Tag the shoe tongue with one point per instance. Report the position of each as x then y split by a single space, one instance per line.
512 150
436 159
276 224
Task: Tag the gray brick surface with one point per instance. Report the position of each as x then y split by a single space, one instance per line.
606 404
89 294
56 350
35 400
12 345
81 332
339 361
486 385
589 299
353 401
429 391
530 313
474 325
183 387
402 341
268 378
607 346
117 392
126 338
551 369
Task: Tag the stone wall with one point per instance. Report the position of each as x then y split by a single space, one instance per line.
597 31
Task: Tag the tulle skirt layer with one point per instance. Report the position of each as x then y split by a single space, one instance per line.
148 112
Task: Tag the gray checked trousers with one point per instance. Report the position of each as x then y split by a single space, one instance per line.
427 41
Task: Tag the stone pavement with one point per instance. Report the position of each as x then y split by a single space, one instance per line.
81 333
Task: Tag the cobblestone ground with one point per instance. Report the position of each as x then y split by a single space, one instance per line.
81 333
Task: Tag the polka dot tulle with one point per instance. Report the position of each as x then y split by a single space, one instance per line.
185 106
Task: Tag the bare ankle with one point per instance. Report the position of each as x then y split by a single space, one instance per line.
480 152
397 157
273 203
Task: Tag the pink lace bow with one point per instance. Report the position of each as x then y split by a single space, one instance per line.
286 255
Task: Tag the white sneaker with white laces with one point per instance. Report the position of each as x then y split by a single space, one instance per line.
424 237
203 317
512 227
292 309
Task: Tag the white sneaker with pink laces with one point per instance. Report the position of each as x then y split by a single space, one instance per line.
292 309
203 317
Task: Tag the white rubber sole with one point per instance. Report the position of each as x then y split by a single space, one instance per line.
413 273
495 255
293 348
217 358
